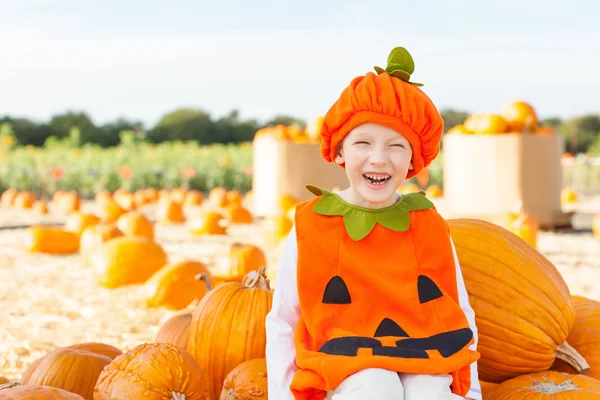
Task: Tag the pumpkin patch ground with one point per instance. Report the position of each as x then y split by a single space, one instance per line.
55 300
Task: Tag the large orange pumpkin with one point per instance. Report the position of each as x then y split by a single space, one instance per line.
520 116
522 305
127 260
36 392
228 327
547 385
175 286
74 370
153 371
51 240
585 336
135 223
99 348
487 388
247 381
175 330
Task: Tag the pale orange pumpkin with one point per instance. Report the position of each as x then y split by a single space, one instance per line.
40 207
523 307
125 200
459 129
486 123
520 117
568 196
585 336
207 223
193 198
175 330
169 211
178 194
217 197
153 371
151 194
135 223
547 385
51 240
237 214
93 237
280 226
140 199
102 196
36 392
25 200
233 197
175 286
8 197
67 202
228 327
526 227
127 260
434 191
78 222
110 211
247 381
74 370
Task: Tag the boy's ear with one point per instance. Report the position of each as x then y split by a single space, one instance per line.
410 166
339 157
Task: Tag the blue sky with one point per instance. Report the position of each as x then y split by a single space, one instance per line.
140 59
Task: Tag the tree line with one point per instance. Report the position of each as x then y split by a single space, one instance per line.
582 134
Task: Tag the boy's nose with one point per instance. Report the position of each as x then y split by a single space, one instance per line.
378 157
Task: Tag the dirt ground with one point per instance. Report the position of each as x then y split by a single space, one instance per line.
49 301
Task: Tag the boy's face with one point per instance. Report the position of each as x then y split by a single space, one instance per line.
377 161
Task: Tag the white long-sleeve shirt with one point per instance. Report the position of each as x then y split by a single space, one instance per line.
285 312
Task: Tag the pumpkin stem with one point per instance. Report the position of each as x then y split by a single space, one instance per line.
568 354
177 396
9 385
205 278
257 279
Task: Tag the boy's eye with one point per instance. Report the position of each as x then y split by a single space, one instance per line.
362 142
398 145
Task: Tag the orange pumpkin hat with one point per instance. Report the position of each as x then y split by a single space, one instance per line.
387 98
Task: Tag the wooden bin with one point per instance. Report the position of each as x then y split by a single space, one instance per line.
486 175
285 167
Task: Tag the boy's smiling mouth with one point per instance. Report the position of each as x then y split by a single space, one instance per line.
377 179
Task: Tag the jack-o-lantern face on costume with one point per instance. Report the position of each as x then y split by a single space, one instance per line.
404 345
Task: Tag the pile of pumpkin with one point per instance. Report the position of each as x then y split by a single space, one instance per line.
516 117
535 339
293 133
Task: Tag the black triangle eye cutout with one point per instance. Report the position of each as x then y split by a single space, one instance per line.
428 290
336 292
387 327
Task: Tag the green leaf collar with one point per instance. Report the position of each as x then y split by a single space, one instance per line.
360 221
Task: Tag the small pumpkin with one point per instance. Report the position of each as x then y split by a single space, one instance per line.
243 259
40 207
434 191
51 240
228 327
3 380
247 381
93 237
523 307
175 330
596 226
193 198
568 196
110 211
408 188
279 227
135 223
78 222
127 260
8 197
217 197
547 385
233 197
25 200
125 200
286 202
459 129
151 194
178 194
153 371
525 227
486 123
207 223
169 211
103 196
237 214
585 336
73 370
175 286
520 117
67 202
36 392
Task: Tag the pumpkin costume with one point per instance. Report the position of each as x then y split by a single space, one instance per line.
376 289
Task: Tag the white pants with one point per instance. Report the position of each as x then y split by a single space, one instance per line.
381 384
